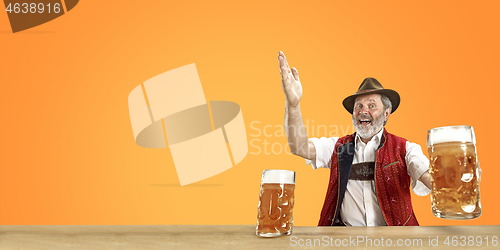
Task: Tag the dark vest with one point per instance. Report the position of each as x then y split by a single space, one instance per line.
392 182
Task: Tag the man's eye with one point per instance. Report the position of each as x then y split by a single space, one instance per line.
372 106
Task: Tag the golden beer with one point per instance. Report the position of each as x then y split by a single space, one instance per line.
454 173
274 217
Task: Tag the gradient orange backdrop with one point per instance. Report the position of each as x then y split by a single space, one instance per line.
68 154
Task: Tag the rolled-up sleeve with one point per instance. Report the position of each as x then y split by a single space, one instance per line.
417 164
324 149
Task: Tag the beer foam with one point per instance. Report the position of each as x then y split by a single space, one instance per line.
450 134
278 176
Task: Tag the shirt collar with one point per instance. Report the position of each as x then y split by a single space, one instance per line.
377 137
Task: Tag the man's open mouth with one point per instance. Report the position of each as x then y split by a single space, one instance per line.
365 122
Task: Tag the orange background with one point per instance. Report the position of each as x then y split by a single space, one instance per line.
68 154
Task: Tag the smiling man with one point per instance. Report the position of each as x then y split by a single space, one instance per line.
370 170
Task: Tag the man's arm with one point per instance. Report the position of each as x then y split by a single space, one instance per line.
294 125
297 135
418 168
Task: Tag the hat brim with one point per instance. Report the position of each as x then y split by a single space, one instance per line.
393 96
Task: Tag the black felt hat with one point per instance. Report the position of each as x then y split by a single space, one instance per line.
371 86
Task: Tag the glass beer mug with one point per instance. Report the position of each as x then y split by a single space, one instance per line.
276 201
454 172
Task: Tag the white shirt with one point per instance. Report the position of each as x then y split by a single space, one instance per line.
360 206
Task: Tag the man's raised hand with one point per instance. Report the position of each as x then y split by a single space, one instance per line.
290 81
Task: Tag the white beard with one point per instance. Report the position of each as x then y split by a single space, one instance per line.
367 132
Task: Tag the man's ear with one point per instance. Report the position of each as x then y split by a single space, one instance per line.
387 113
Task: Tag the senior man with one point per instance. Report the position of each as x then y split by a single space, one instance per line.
370 170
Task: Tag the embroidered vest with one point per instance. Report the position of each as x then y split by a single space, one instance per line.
392 182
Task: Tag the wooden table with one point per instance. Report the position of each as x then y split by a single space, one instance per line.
243 237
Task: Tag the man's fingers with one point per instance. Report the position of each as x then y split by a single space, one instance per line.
286 61
295 74
284 73
284 69
283 63
286 85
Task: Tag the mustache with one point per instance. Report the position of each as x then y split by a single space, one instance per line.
364 117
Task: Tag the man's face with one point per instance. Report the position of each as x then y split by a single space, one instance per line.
369 115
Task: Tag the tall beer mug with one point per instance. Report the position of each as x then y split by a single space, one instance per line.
276 201
454 172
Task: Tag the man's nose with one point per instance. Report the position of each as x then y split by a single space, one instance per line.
363 110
